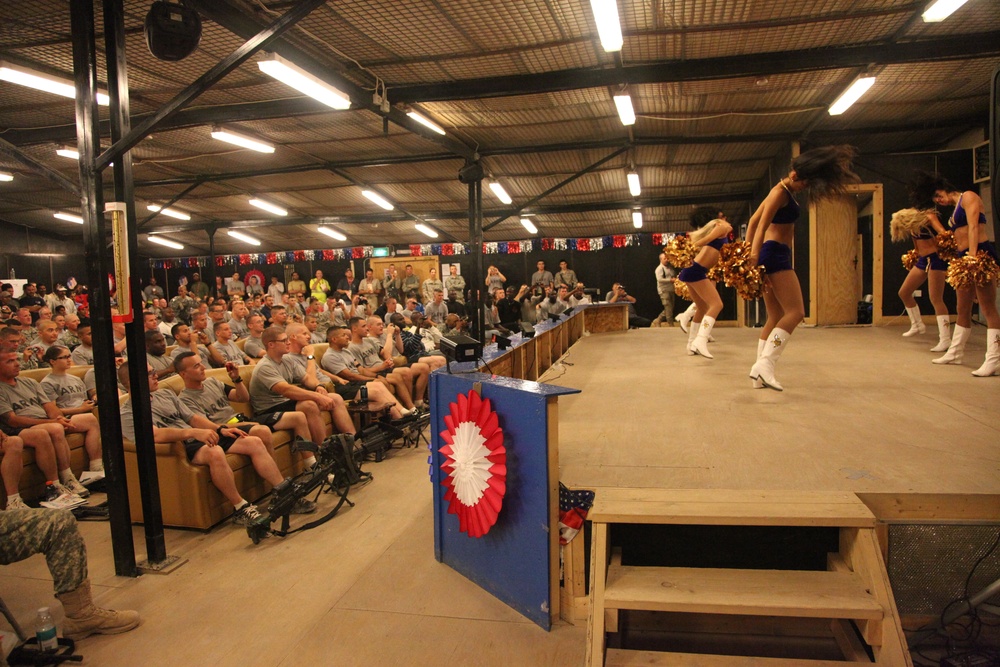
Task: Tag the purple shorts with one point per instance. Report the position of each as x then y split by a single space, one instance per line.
775 257
937 264
986 246
693 273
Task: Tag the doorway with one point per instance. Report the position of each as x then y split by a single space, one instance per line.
845 237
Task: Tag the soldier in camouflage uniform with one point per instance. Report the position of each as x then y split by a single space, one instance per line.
26 532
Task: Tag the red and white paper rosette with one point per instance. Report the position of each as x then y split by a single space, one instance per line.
475 464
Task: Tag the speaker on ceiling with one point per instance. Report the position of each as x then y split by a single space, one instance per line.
172 31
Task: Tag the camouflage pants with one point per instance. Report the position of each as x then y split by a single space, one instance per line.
24 533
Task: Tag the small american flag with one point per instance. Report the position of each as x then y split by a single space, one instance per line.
573 508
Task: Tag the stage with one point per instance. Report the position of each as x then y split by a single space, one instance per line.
864 410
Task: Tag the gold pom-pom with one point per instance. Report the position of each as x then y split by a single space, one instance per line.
682 290
738 272
978 271
680 251
910 259
947 248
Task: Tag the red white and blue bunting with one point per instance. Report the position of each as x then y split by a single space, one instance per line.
421 250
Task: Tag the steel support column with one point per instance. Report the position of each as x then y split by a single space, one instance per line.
149 481
210 273
95 251
476 243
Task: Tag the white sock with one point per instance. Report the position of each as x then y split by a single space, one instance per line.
97 465
309 462
12 498
66 475
243 503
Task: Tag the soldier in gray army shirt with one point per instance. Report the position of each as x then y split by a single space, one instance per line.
205 442
279 384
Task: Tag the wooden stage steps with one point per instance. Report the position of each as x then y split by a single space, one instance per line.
854 588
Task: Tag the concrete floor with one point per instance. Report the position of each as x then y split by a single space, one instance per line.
863 410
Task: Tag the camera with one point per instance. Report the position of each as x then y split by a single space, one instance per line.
362 301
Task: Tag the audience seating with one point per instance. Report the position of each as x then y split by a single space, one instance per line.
32 483
187 496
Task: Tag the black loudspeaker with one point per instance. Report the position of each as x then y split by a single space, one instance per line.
172 31
471 173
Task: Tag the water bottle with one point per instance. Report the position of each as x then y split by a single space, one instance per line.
364 394
45 631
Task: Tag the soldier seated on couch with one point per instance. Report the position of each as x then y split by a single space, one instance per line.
205 442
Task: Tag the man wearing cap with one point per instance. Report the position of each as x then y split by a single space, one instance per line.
197 288
59 298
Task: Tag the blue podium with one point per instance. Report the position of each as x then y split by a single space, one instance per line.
517 561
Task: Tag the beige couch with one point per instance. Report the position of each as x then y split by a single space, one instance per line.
188 498
32 483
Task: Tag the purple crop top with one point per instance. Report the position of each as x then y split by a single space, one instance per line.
788 213
958 218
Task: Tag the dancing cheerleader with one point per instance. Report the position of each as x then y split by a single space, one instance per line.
771 230
921 225
970 239
710 235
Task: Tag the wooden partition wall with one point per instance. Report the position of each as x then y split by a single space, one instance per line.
533 356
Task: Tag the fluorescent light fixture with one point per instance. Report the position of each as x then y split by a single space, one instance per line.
426 122
941 10
375 197
242 140
851 95
637 219
609 28
68 151
331 232
159 240
173 213
4 176
292 75
68 217
45 82
243 237
500 192
625 111
267 206
424 229
633 184
529 225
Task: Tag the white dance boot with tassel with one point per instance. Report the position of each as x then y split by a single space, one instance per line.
763 370
700 345
992 364
957 348
944 334
684 319
692 334
916 323
757 384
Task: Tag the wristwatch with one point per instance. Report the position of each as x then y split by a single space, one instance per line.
310 357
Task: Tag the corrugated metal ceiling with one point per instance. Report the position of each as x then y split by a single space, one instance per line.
714 137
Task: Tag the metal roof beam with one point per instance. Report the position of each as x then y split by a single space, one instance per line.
239 22
957 47
398 216
255 42
297 169
14 153
960 124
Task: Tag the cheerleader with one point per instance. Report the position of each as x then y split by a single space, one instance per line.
711 233
920 225
771 230
970 239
